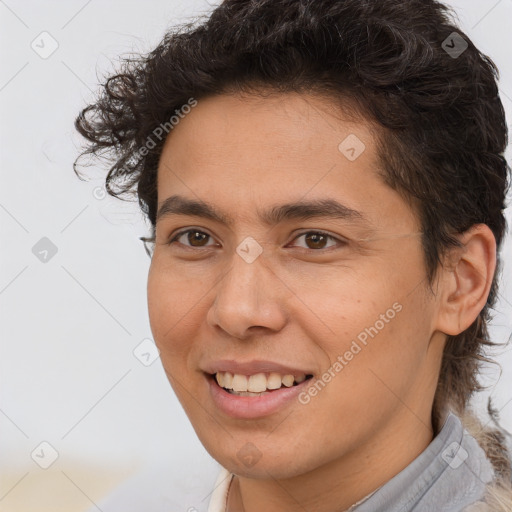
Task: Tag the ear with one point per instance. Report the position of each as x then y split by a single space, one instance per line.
465 278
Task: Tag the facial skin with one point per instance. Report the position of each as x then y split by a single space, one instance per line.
301 303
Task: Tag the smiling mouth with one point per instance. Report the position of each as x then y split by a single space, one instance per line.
258 384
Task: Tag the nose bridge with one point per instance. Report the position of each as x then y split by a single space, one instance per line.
247 296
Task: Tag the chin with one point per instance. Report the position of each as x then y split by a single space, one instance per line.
254 459
265 469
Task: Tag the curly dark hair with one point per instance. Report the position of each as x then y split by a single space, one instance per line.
442 131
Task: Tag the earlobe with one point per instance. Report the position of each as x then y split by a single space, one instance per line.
466 279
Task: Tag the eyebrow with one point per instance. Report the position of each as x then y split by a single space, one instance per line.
300 210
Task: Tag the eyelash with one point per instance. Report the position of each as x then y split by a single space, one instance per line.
322 233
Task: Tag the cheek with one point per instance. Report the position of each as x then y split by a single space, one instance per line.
375 323
380 351
175 312
175 308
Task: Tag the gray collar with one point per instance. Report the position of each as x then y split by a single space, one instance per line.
450 474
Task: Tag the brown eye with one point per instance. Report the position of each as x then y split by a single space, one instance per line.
196 238
192 238
316 240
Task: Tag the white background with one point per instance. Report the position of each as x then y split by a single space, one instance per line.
69 326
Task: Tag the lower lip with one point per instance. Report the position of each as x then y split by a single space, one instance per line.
250 407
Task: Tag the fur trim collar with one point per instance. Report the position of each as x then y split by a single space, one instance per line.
498 493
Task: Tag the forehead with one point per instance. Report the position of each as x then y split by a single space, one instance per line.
273 119
264 139
240 151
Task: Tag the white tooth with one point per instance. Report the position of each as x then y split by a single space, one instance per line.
274 381
288 380
220 379
300 378
239 382
257 383
228 380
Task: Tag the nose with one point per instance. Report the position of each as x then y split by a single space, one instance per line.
248 298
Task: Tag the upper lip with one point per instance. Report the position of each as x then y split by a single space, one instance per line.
252 367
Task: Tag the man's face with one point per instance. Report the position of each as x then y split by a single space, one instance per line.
342 298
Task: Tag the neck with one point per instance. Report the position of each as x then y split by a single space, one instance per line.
344 481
